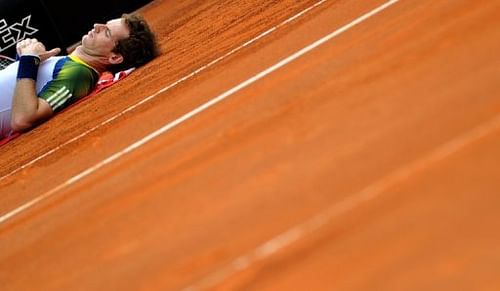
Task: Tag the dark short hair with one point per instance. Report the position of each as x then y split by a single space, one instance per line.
137 49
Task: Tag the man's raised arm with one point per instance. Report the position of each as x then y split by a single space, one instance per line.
27 109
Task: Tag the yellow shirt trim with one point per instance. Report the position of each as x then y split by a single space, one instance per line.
80 61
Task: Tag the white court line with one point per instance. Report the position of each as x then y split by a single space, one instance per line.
321 220
151 97
194 112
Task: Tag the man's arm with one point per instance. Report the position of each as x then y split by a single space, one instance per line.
27 109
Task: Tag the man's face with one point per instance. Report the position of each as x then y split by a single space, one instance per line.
101 40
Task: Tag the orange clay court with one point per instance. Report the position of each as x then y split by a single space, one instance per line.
274 145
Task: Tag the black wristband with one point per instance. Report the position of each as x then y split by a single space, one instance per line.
28 67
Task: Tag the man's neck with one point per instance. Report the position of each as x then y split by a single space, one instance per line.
95 62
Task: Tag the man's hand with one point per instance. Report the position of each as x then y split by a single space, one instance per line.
31 46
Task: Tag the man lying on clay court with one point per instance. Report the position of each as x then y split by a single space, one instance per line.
41 84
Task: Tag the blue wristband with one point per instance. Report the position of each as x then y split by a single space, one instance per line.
28 67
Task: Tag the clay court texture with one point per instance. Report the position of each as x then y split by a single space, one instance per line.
274 145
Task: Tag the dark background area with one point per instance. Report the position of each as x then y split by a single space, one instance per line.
58 24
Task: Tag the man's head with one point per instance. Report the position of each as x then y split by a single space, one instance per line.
121 43
139 47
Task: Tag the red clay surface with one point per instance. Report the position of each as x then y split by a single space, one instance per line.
403 109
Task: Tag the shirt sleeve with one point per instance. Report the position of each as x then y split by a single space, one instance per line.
71 83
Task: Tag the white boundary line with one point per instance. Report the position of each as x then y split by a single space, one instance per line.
151 97
196 111
372 191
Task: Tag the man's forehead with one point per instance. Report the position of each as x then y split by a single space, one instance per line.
117 28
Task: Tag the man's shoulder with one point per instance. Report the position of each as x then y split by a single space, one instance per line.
77 69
